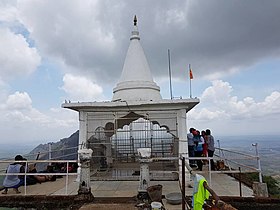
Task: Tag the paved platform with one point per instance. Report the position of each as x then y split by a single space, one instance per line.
222 184
48 188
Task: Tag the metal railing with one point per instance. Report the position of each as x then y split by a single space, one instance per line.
52 156
184 167
26 173
237 162
51 153
246 162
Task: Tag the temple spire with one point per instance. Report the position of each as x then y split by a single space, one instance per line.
136 82
135 20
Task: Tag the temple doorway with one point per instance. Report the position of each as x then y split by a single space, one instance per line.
115 145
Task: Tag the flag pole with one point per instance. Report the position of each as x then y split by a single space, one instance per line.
169 69
190 81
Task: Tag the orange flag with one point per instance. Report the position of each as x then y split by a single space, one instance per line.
191 75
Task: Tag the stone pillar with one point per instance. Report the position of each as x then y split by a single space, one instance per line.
82 129
145 154
182 132
144 176
183 143
85 157
260 189
79 173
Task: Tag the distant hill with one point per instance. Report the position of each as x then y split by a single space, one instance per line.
65 149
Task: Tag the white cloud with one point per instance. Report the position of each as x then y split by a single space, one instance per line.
218 97
8 11
71 32
19 101
90 38
218 93
272 103
219 108
20 121
16 57
206 114
18 109
64 118
81 88
3 90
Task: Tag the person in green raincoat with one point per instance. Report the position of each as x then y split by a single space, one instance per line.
201 192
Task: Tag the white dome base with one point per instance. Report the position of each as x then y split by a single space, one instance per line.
137 90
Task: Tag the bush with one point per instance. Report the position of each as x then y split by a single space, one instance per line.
272 184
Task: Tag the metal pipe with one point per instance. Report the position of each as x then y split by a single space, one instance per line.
210 174
240 187
219 145
50 152
183 184
67 172
259 162
170 75
236 152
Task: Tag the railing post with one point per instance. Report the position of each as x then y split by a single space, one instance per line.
50 152
240 186
219 146
85 157
25 174
259 162
209 169
67 177
183 184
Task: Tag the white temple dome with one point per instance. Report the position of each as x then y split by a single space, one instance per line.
136 82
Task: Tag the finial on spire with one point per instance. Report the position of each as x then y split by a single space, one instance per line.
135 20
135 32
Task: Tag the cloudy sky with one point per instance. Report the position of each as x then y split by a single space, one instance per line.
56 50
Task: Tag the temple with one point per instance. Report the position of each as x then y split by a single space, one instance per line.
137 117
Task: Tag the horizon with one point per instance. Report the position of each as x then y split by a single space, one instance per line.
34 144
216 137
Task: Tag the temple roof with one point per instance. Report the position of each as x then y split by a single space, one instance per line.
136 81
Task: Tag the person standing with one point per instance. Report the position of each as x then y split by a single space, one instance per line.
199 141
205 146
191 146
211 148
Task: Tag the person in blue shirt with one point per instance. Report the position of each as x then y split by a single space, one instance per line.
199 141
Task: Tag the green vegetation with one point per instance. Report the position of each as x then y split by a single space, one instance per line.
272 184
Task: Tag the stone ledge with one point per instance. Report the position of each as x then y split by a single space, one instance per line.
46 202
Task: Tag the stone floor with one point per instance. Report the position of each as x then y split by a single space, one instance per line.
222 184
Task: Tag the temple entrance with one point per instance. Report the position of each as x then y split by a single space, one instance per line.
115 145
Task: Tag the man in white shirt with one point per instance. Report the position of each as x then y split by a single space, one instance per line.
191 147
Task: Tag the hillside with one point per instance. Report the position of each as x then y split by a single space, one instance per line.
65 149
